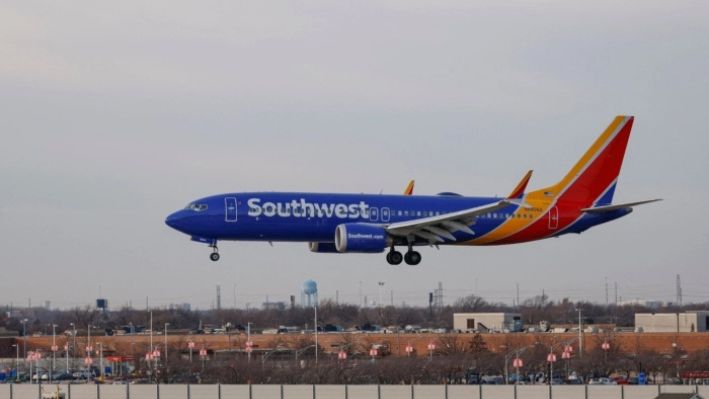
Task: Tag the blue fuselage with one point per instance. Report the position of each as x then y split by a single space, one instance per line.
271 216
313 217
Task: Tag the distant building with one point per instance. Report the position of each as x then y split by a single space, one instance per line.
4 332
642 302
488 322
274 306
693 321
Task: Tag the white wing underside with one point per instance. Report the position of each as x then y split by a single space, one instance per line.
436 229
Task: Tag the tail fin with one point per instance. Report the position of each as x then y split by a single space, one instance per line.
591 182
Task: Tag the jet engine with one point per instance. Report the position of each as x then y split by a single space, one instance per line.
361 237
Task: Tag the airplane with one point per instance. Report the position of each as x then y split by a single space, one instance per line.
374 223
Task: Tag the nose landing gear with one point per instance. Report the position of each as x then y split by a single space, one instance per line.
214 256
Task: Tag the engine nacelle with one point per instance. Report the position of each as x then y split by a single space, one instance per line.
361 237
323 247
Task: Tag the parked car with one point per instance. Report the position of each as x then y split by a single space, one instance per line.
602 381
84 375
492 379
61 376
474 379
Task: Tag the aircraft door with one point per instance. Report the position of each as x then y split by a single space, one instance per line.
553 218
373 214
385 214
230 209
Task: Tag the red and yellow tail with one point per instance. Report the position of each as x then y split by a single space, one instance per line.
591 182
593 177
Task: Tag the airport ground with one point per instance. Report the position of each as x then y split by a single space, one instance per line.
302 391
451 358
610 354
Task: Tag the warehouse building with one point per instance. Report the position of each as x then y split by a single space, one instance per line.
693 321
487 322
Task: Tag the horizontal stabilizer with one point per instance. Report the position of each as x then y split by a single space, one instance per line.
610 208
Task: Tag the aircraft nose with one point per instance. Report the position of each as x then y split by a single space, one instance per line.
173 220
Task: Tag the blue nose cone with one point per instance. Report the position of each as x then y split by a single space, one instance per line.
175 220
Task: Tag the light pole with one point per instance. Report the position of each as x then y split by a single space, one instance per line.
580 332
89 361
24 337
54 350
248 341
17 358
551 358
675 349
431 347
66 351
381 286
566 356
100 360
190 345
373 353
342 355
30 357
605 346
203 356
517 363
73 348
409 350
151 331
316 333
166 324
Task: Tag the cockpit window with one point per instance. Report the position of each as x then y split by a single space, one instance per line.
196 207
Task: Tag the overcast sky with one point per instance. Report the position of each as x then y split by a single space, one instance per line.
114 114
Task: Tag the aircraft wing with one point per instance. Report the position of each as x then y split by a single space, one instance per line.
436 228
610 208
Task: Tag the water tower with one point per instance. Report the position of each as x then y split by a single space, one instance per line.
309 294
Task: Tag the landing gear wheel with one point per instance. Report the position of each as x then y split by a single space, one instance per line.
394 257
412 258
214 256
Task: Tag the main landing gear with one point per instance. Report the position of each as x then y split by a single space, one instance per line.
411 257
394 257
214 256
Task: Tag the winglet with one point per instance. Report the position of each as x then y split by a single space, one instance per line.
409 188
518 192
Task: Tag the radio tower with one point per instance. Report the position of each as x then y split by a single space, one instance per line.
219 297
679 292
438 296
